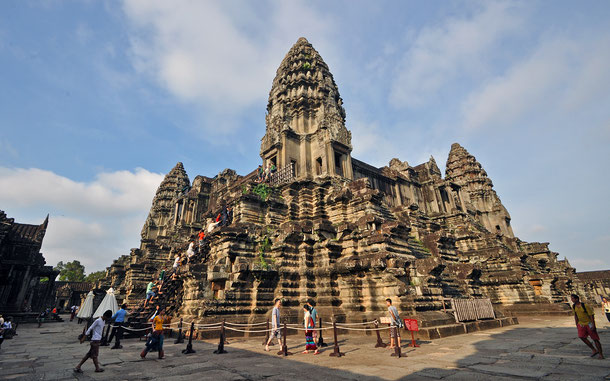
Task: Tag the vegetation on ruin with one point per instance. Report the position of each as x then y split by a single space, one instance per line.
263 248
262 190
306 66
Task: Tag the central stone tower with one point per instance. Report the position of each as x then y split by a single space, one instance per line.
305 118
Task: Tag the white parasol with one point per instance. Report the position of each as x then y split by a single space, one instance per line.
108 303
86 308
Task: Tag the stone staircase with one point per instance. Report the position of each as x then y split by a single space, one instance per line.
169 297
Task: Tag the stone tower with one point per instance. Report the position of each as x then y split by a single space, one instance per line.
164 211
305 118
466 171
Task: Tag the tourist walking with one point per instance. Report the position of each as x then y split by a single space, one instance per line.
96 331
201 237
395 326
117 330
5 326
150 294
275 324
310 326
155 341
584 317
314 316
72 312
190 252
606 305
230 215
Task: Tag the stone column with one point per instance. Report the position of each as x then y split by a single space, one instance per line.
25 281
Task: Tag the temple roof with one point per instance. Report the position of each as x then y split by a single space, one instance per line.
303 81
28 232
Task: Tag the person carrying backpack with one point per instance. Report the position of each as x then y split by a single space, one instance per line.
584 317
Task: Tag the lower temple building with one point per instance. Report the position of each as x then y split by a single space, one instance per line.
335 230
26 283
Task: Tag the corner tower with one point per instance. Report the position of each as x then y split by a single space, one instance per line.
305 118
464 169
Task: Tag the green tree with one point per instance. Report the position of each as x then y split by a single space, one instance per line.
71 271
95 276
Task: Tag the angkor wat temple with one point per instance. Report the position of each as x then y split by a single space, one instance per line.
336 230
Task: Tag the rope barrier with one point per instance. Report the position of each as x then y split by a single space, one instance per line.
245 325
363 323
256 331
364 329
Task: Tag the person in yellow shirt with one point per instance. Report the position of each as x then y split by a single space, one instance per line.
155 340
584 317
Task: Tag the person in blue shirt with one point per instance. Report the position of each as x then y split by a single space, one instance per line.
119 321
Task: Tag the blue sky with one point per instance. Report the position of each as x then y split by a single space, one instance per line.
100 99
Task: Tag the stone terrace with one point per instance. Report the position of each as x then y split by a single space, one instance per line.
543 348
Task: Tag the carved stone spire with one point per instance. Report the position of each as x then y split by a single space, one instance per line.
162 210
304 104
464 169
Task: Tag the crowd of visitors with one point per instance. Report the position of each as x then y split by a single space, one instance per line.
264 174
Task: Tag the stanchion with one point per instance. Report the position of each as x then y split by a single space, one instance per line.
284 351
321 342
221 342
380 343
104 342
413 343
397 353
189 346
266 334
180 338
336 351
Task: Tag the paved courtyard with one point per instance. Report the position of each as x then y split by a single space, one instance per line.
544 348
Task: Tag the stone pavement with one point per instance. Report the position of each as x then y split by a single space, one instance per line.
544 348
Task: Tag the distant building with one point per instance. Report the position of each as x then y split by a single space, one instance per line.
68 294
26 284
596 283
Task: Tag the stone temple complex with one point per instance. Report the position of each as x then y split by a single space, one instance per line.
335 230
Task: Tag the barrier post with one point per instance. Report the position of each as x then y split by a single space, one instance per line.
189 346
180 338
397 353
284 351
221 342
336 351
266 334
321 342
380 343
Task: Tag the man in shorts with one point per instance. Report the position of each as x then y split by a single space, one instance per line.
150 294
395 326
275 322
94 350
584 317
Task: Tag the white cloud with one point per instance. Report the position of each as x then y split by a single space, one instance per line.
370 144
111 193
218 53
460 46
587 264
560 77
94 222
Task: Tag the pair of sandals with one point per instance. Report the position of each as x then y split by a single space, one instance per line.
79 370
